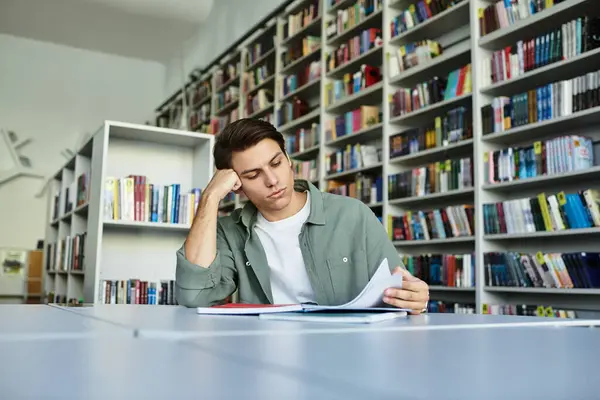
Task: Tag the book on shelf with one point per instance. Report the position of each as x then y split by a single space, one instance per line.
438 177
352 121
544 103
447 270
135 198
452 127
407 100
137 291
308 170
417 13
294 81
502 14
66 254
259 50
291 110
258 101
299 20
550 157
227 97
447 307
413 54
543 213
441 223
564 42
366 188
226 73
303 139
352 83
579 270
353 48
529 310
352 157
353 15
296 51
256 77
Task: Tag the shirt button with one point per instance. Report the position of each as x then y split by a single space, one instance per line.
345 259
247 263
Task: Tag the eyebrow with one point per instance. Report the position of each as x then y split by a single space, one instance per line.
256 169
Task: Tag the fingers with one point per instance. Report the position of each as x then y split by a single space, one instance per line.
419 296
405 274
414 306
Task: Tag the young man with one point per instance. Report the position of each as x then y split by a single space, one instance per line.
290 243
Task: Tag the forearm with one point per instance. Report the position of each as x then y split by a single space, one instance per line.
201 242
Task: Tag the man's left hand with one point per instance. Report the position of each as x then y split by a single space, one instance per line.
413 296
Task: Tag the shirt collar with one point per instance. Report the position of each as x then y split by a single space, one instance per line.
317 210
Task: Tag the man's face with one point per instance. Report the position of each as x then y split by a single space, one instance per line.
266 174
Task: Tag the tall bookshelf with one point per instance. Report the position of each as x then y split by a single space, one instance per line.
442 136
130 193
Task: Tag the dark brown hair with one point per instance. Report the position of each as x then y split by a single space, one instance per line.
241 135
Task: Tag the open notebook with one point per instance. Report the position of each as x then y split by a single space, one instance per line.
370 300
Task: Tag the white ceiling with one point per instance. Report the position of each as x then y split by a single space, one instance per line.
147 29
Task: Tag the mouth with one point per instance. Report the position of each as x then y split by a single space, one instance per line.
276 194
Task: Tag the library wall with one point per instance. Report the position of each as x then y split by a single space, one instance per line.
227 22
53 94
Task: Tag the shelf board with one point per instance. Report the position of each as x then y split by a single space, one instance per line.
540 129
460 239
435 153
452 58
537 290
260 59
298 122
536 24
439 288
561 70
300 61
435 27
146 133
586 175
373 20
145 225
439 108
228 107
368 96
457 194
354 171
373 56
363 135
342 4
306 154
230 82
312 28
576 233
306 89
261 112
201 102
261 85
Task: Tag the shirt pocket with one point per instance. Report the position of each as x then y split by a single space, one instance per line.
349 274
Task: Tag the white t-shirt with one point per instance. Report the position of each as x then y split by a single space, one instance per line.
289 280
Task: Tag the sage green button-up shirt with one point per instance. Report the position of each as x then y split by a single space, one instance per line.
342 244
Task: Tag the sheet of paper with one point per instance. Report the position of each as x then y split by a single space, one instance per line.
372 295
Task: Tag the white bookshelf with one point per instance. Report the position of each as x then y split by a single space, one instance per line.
122 248
457 30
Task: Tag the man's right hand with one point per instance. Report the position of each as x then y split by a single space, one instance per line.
222 182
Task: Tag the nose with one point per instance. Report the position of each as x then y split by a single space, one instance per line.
270 177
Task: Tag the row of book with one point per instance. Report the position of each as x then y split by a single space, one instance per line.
452 127
353 48
548 157
441 223
258 50
54 298
200 92
137 291
543 213
226 73
568 41
437 177
218 123
417 13
580 270
503 13
543 103
303 139
258 101
352 157
351 83
351 122
308 170
67 254
446 307
134 198
354 15
366 188
296 51
291 83
200 117
407 100
410 55
448 270
72 196
297 21
529 310
292 110
256 77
